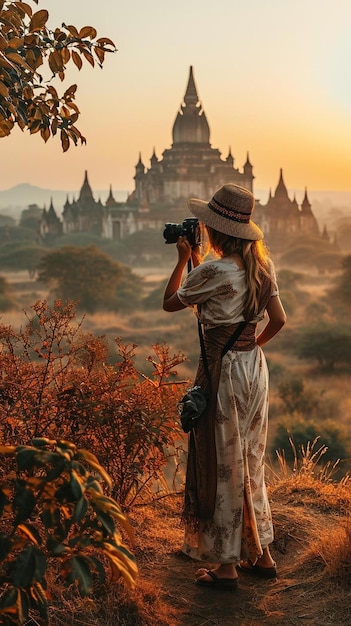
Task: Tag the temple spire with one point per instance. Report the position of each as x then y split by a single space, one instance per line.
86 193
191 96
281 191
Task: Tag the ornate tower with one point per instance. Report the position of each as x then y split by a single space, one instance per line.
191 167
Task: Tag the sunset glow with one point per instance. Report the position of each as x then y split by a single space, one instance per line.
271 76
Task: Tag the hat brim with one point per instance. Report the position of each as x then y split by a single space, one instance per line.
205 214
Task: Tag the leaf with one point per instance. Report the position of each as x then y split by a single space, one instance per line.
31 532
41 442
118 568
89 57
38 20
5 546
7 450
77 59
93 462
16 58
56 547
55 62
100 54
25 7
64 140
107 521
72 29
65 54
70 91
23 504
39 595
76 485
26 457
87 31
105 41
77 568
8 602
80 509
30 566
23 606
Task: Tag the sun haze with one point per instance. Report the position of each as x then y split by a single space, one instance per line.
271 77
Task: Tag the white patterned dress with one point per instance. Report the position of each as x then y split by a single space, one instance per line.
241 525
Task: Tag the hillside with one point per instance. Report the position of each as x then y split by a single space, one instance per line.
312 550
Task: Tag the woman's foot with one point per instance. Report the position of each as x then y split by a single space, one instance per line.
264 567
224 571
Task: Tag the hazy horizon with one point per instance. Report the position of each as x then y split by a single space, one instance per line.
270 77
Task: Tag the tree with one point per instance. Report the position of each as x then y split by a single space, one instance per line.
26 44
342 289
84 274
301 431
21 257
328 344
30 217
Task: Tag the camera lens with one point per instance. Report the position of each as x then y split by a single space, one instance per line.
172 232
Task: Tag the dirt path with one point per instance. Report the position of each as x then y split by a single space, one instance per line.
296 598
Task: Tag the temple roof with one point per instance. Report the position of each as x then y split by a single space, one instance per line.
191 125
86 193
281 192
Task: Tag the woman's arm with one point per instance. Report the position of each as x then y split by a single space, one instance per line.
277 319
171 301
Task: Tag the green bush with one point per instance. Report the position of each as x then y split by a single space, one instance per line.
329 344
301 431
307 400
53 509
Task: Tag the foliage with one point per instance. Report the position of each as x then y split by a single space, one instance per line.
56 384
128 295
343 233
342 289
329 344
7 220
147 246
86 275
332 436
155 297
297 397
7 301
77 240
53 508
288 279
26 44
311 251
21 257
30 217
10 235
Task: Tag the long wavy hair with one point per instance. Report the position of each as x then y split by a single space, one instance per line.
256 260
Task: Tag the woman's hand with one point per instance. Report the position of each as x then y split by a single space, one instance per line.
184 249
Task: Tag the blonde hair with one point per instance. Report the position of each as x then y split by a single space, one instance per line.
256 262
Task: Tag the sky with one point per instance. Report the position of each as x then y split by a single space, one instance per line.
273 77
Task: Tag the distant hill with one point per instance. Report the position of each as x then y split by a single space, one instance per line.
14 200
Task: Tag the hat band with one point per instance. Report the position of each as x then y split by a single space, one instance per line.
237 216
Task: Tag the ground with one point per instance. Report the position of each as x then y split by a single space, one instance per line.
302 594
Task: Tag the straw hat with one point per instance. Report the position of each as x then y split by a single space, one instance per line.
229 212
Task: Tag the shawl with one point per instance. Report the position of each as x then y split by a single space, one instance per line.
201 473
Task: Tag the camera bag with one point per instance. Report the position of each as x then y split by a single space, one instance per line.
193 404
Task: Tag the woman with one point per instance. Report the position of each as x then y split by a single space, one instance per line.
227 514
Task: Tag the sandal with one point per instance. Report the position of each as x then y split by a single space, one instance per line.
257 570
219 583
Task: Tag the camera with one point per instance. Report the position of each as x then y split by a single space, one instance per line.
190 227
